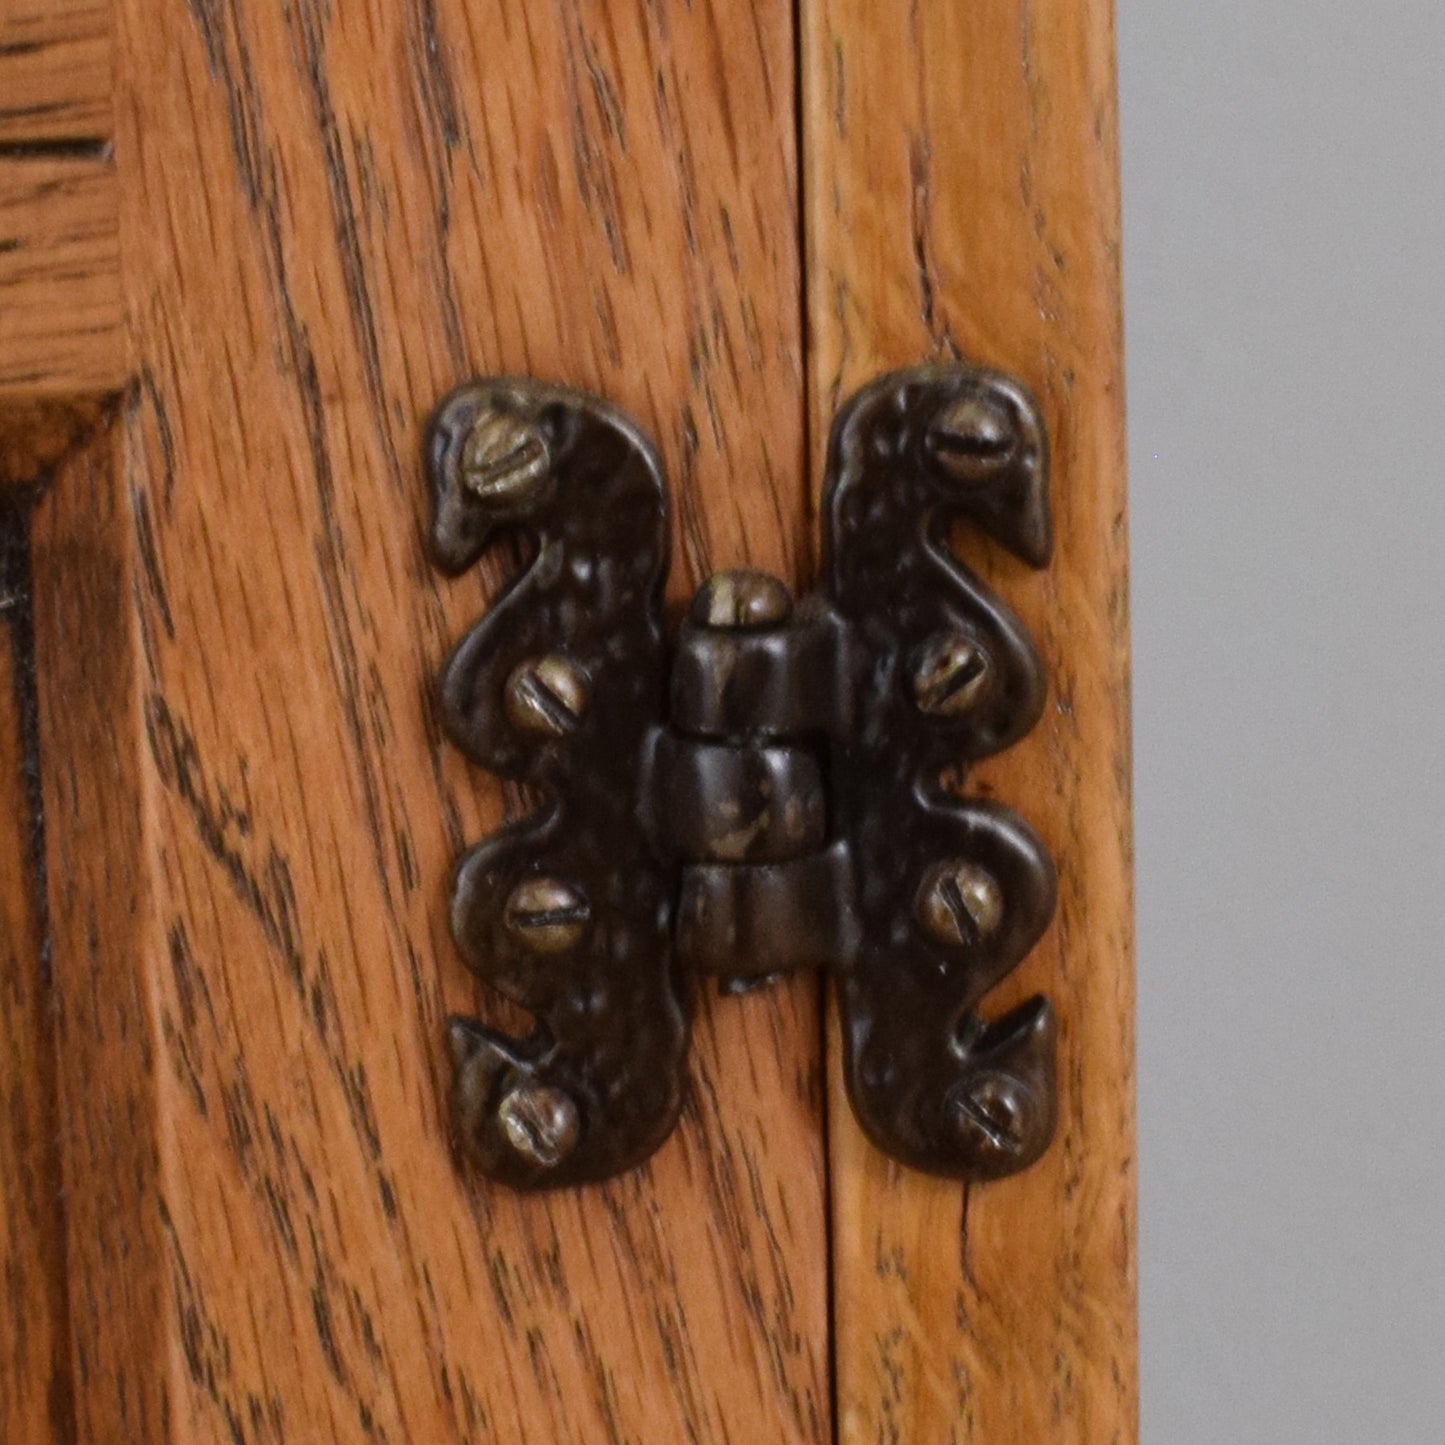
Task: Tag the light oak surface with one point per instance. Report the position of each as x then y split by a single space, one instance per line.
61 329
961 191
363 207
55 72
329 218
61 332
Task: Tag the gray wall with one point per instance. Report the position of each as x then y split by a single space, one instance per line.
1284 265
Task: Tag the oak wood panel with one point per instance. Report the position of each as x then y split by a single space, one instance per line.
55 72
961 199
38 435
35 1342
332 214
103 941
60 299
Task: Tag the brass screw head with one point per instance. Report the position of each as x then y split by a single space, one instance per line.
742 600
540 1122
972 436
547 695
952 675
960 904
502 456
991 1113
547 915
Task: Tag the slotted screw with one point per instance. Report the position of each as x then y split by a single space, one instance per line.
960 904
547 915
547 695
540 1122
503 455
972 435
951 676
991 1113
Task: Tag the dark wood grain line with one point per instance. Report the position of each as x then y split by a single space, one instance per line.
309 32
78 148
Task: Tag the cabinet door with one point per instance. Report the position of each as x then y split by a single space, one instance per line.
961 186
244 247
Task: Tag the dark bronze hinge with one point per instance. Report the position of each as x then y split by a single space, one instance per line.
764 795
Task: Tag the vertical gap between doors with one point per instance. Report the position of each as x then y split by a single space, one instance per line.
808 560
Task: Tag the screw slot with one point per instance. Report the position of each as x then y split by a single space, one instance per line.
547 695
540 1122
547 915
952 675
972 436
960 904
992 1113
502 456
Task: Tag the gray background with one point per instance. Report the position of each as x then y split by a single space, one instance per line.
1284 267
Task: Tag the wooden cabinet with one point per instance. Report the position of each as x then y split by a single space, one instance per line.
244 247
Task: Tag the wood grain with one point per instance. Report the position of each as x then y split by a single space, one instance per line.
35 1344
961 198
61 350
60 298
103 946
330 215
55 72
39 435
61 347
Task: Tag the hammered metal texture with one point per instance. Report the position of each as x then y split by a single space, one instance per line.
930 1082
586 945
767 798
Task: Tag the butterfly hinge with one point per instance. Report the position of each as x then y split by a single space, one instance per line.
762 794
